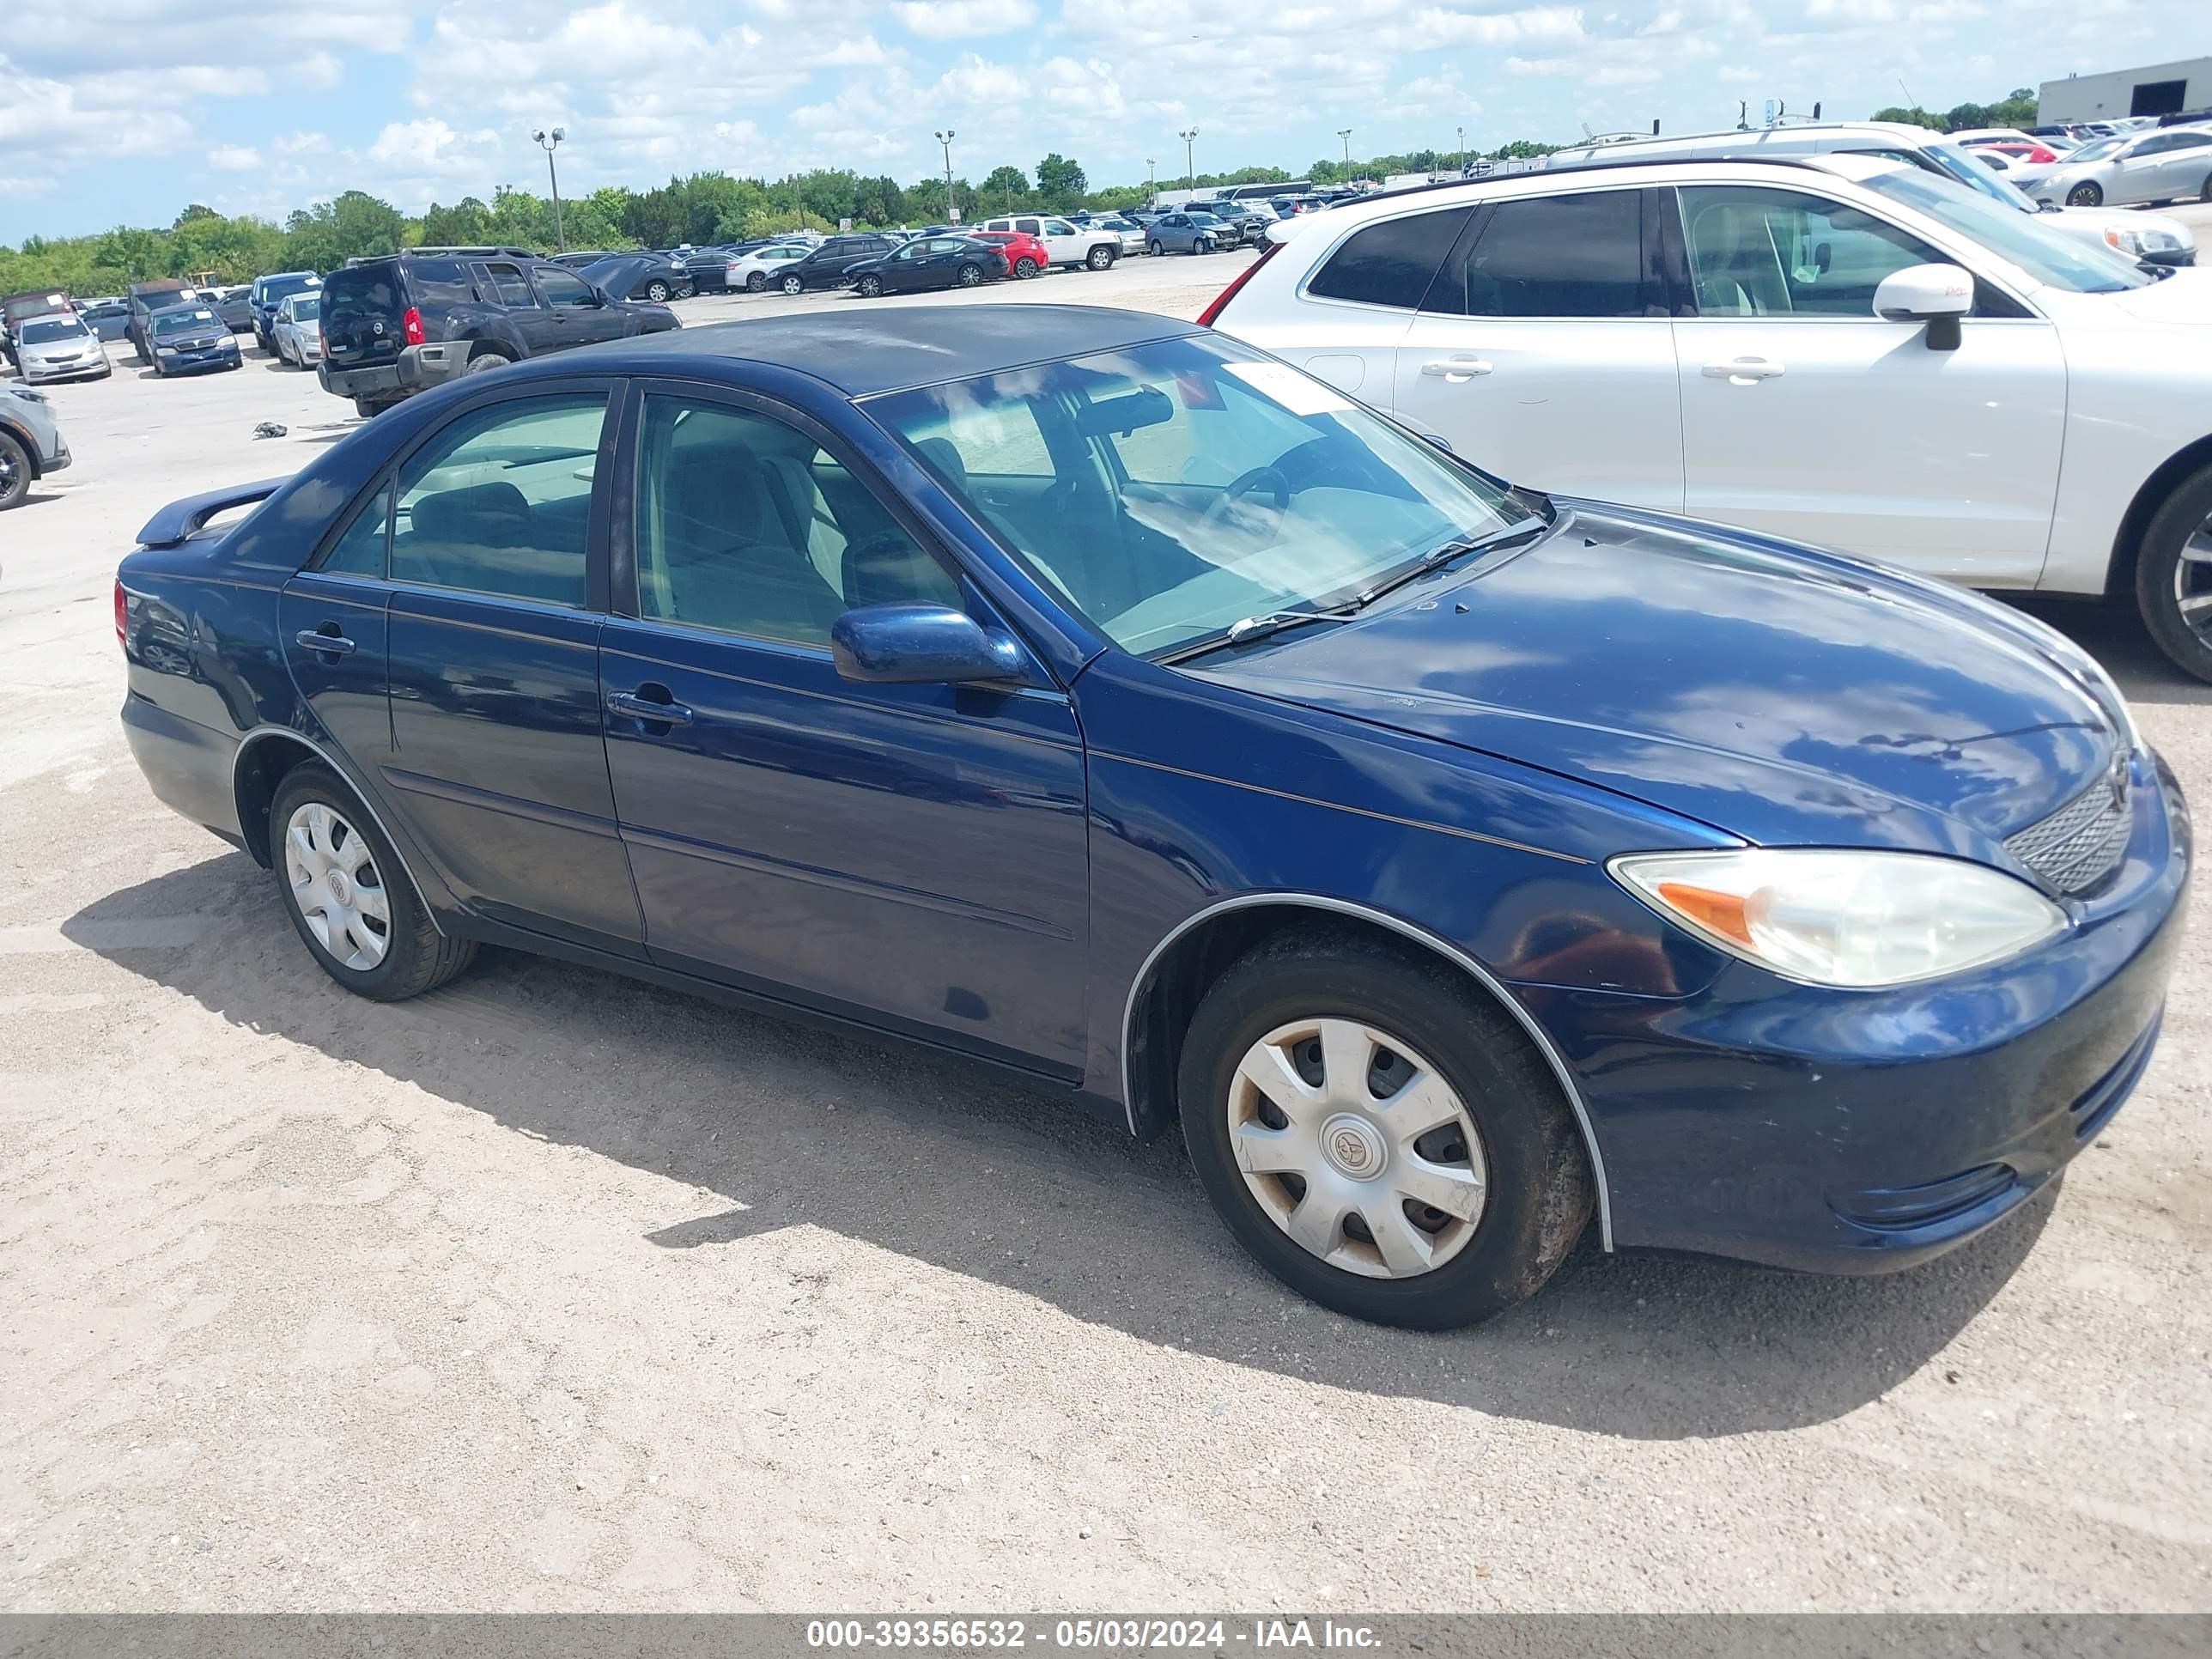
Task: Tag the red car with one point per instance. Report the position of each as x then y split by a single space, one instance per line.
1025 255
2036 154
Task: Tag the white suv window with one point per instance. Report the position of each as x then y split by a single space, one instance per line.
1391 264
1757 252
1580 255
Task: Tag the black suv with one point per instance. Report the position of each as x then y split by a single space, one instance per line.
402 323
830 265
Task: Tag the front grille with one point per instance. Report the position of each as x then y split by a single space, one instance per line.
2081 843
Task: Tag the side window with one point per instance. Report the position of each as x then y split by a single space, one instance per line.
1390 264
1058 227
2188 140
500 502
747 526
513 286
560 288
1758 253
1031 226
1554 255
442 282
360 551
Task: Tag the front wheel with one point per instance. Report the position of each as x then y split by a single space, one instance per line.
870 287
2085 195
14 472
1378 1135
792 285
349 898
2173 576
1101 256
657 291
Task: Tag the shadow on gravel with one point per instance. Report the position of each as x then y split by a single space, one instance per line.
955 1165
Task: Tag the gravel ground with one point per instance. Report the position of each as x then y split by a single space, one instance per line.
548 1292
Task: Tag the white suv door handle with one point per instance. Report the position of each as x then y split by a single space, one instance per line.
1455 369
1743 371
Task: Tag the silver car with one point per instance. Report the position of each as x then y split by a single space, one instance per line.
31 443
64 347
2166 164
298 329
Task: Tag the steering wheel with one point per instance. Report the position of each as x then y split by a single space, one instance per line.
1235 510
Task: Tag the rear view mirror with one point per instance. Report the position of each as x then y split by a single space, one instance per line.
1146 406
1938 295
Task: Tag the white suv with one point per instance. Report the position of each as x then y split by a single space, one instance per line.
1846 350
1069 245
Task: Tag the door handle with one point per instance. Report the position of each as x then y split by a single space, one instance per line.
1456 370
635 706
333 644
1743 371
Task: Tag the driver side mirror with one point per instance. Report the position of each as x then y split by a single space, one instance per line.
921 645
1936 295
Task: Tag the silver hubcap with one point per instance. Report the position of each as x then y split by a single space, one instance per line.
2192 581
335 882
1357 1147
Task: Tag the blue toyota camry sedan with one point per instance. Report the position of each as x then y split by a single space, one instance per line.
1089 694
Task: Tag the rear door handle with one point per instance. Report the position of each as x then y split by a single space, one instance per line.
1457 370
637 708
335 645
1743 371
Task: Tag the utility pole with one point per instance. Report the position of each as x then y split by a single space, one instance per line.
550 141
945 138
1344 133
1189 163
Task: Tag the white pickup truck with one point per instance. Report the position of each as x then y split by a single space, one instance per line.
1069 244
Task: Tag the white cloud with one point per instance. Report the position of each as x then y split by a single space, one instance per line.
427 146
957 20
301 144
319 69
233 158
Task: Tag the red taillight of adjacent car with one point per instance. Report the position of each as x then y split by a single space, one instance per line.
411 326
122 615
1221 299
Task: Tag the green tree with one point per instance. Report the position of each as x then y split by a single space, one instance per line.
1060 181
1006 188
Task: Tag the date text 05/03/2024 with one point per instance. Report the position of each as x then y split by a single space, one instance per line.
1126 1634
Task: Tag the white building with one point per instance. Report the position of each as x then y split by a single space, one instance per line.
2154 89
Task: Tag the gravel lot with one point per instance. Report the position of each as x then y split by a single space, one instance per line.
550 1292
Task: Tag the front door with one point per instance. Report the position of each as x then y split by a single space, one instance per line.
575 314
497 740
913 855
1544 352
1807 415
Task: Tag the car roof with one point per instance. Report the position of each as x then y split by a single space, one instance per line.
866 352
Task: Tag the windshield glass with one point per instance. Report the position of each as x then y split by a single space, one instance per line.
1977 176
274 288
45 331
174 321
2047 254
307 308
1169 490
2095 150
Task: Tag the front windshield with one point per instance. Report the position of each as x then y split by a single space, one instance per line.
2095 150
1168 490
1982 180
175 321
45 333
307 308
2049 255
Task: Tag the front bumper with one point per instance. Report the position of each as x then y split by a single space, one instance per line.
37 373
2169 255
1864 1131
222 355
417 368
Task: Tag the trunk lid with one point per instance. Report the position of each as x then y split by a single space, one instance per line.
364 314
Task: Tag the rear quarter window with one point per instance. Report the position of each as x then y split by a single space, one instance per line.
440 282
1391 264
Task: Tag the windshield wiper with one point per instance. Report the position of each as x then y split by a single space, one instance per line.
1245 629
1436 557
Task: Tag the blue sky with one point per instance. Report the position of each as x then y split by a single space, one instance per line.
123 111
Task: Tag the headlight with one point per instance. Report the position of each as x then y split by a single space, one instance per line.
26 393
1843 917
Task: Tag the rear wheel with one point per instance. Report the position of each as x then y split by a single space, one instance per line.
1101 256
486 360
2173 576
755 280
870 287
2205 193
657 291
1025 267
1154 248
2085 195
792 285
347 895
14 472
1378 1135
970 275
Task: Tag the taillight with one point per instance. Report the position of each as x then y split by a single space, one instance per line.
322 342
1221 299
122 615
411 326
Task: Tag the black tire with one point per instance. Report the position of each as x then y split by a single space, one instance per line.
870 287
486 360
970 275
416 956
369 407
2085 195
2163 578
1101 256
657 291
2204 194
1026 268
756 282
14 472
792 285
1154 248
1538 1196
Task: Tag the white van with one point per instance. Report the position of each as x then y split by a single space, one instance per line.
2151 237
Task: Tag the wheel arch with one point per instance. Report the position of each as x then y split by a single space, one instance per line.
2127 543
1192 954
21 434
266 756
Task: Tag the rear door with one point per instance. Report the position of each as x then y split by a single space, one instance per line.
1544 350
332 617
2183 167
1347 324
505 283
497 583
363 310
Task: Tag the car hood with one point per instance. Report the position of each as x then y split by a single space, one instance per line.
1782 696
47 348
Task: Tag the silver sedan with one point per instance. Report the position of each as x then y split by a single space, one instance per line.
61 348
2165 164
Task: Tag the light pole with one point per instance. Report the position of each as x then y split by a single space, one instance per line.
1152 183
1461 157
1344 133
550 141
1189 165
945 138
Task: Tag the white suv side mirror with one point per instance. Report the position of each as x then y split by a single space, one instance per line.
1938 295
